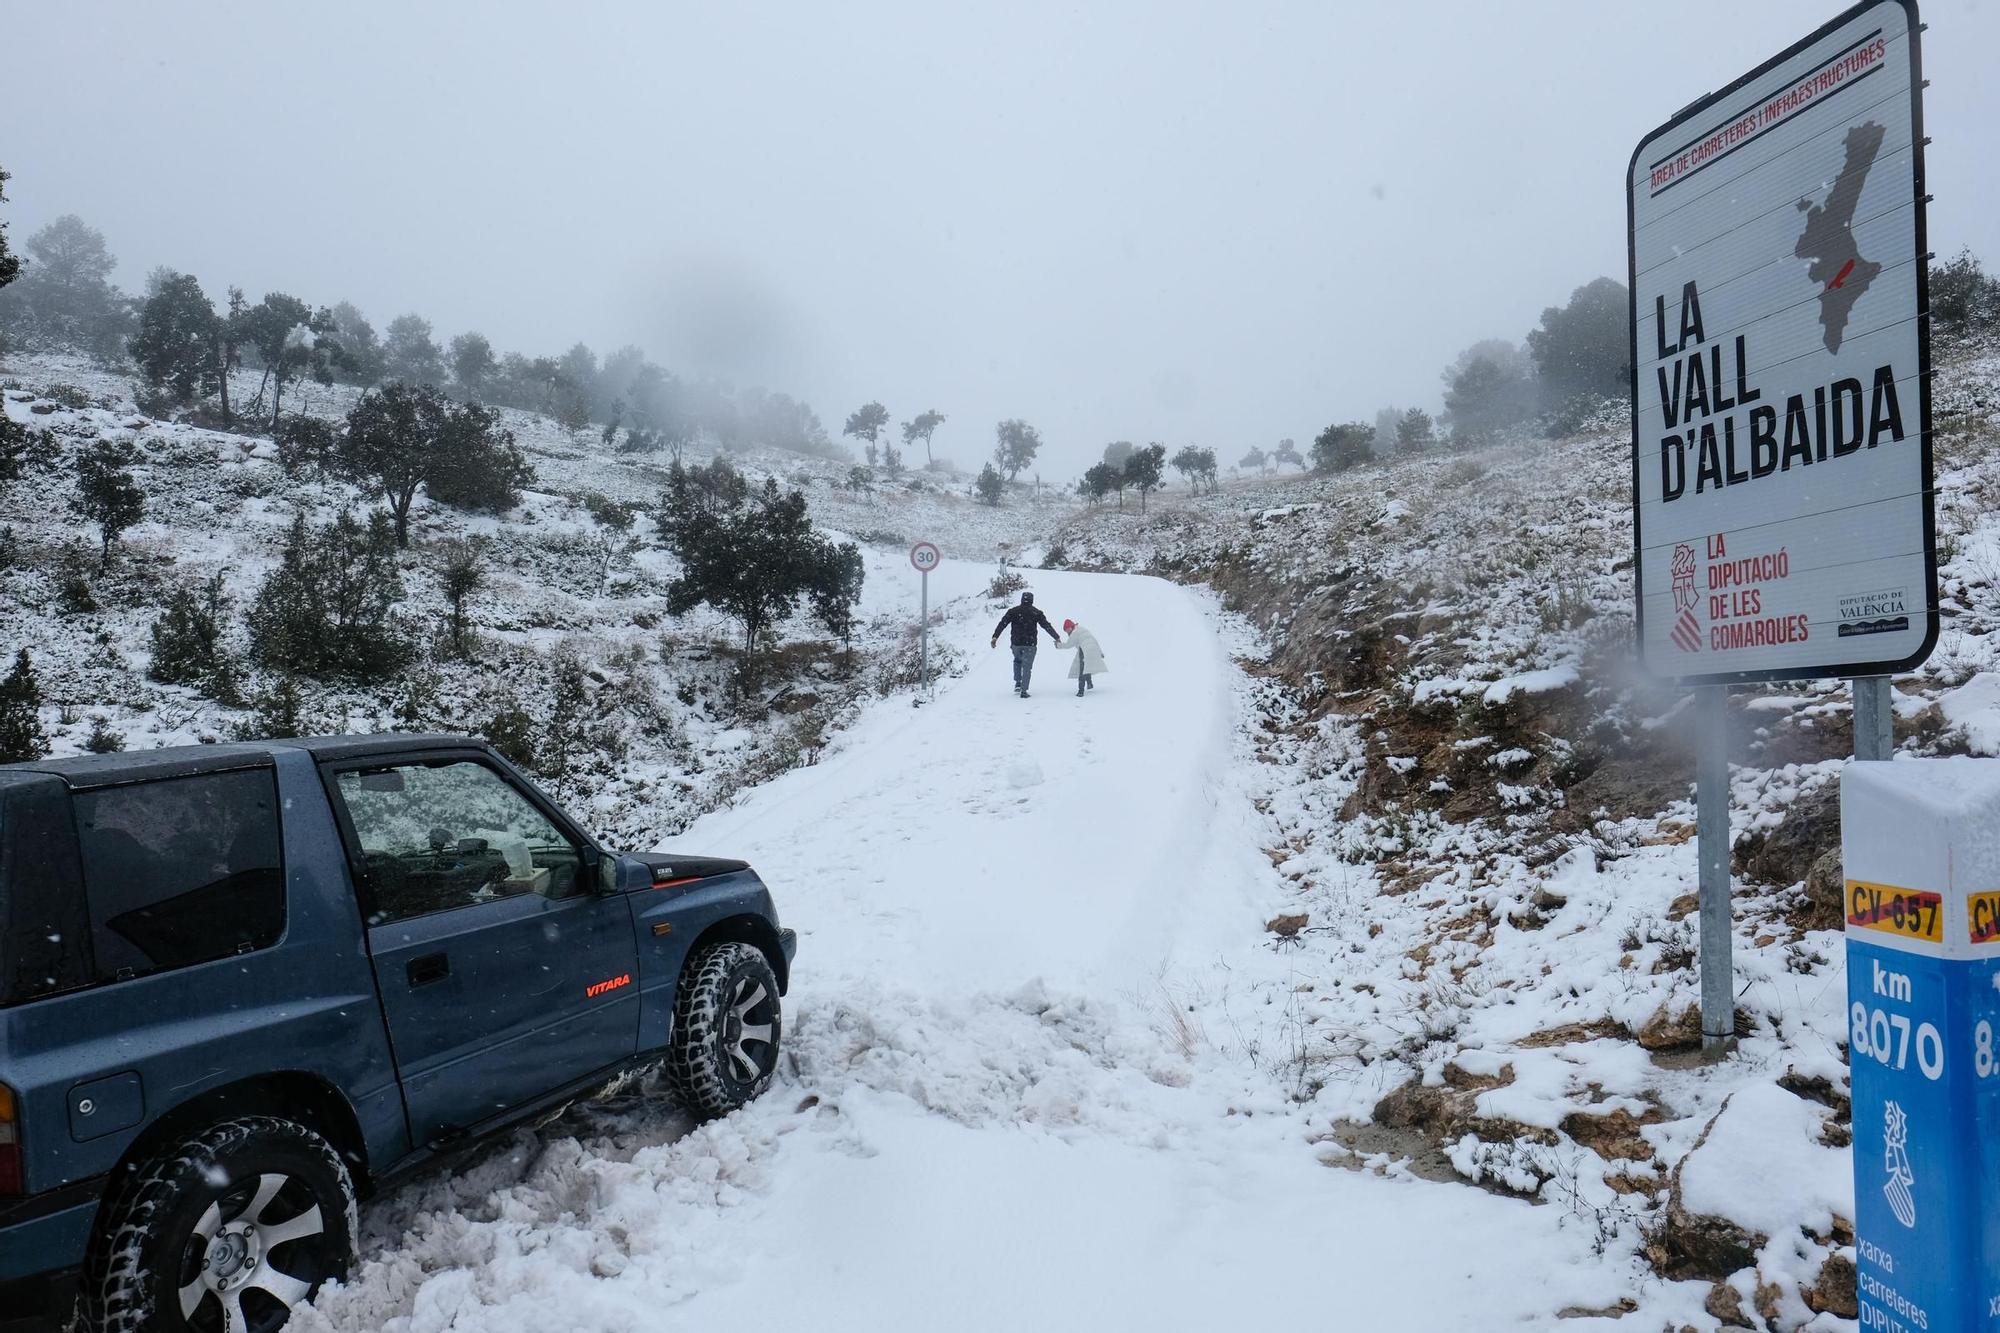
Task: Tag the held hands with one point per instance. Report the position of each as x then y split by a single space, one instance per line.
995 643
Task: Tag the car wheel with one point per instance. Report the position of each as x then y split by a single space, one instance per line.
225 1234
727 1025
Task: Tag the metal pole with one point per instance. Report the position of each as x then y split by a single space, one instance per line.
1711 792
1874 718
924 634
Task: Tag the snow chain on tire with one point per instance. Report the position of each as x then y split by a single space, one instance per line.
127 1272
697 1066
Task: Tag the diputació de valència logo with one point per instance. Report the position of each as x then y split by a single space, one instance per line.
1896 1161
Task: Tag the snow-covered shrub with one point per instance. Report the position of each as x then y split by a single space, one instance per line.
21 734
281 713
305 444
512 732
106 494
102 739
68 395
187 641
327 609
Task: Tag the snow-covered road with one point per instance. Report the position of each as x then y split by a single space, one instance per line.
985 839
989 1118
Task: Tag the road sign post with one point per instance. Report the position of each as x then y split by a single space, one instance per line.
1874 718
1711 789
925 557
1781 407
1923 1029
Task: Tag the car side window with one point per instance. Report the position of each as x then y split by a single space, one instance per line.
181 870
438 836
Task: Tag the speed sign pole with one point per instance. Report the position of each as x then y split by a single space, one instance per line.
925 557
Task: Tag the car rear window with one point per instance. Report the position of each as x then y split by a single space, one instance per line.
181 871
44 932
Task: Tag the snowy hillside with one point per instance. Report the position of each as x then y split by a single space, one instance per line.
1485 820
568 625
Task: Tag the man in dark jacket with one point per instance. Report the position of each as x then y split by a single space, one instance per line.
1023 620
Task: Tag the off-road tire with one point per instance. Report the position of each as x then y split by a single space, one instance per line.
132 1277
703 1064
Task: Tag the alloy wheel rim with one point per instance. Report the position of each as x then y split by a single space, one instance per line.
749 1030
232 1253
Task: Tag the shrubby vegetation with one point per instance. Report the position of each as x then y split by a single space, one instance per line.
187 642
21 734
327 609
1965 302
400 438
752 553
106 495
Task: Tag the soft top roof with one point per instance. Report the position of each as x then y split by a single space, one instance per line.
178 761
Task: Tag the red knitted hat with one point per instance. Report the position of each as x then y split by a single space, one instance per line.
1068 625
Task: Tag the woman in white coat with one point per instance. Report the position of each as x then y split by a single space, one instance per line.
1089 657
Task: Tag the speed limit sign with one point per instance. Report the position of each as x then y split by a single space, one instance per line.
925 557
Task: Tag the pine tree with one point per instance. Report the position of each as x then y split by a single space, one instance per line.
102 739
1414 432
990 485
1343 446
1015 445
1187 462
1099 480
22 448
865 423
409 356
187 641
922 428
10 263
177 347
281 713
106 494
21 734
569 700
837 574
64 296
1143 471
461 571
472 365
361 348
287 336
328 608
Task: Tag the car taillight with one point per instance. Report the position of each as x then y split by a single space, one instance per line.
11 1178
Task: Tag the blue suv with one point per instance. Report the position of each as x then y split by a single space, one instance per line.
244 986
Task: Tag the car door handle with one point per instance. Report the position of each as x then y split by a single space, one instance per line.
431 967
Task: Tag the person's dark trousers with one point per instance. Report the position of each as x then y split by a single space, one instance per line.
1082 684
1024 665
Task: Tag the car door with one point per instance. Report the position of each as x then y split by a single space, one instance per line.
504 974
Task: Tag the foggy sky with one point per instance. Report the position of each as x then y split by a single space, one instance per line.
1216 224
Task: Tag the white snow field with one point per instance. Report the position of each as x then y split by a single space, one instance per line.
996 1111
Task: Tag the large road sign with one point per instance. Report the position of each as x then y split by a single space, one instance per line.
1781 405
